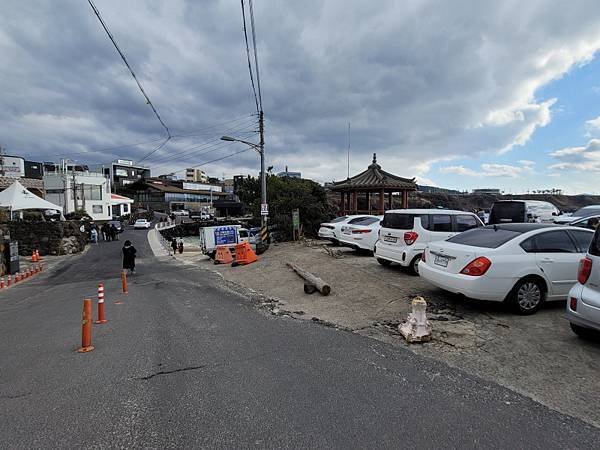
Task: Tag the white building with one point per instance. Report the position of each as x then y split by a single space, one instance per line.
120 205
92 193
196 175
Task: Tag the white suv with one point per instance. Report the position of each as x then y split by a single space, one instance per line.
405 233
583 307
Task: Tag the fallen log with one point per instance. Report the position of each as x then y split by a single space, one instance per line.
311 279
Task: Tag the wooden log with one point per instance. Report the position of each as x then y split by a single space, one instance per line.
321 286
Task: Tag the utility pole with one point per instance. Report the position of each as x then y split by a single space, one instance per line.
1 161
263 175
74 188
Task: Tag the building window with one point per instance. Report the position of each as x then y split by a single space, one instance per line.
97 209
92 192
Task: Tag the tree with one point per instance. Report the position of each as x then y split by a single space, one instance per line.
285 194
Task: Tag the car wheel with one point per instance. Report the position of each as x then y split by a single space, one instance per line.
414 265
383 262
527 296
583 332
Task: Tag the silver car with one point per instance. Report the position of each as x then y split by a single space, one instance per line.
583 306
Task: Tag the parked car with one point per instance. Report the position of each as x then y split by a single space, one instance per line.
583 307
590 222
522 211
181 212
332 230
522 263
118 225
141 223
581 213
361 234
199 215
405 233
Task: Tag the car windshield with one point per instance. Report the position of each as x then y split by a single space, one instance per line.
141 220
401 221
491 237
586 211
338 219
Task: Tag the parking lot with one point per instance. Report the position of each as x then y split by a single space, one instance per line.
535 355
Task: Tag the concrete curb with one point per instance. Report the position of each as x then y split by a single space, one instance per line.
155 245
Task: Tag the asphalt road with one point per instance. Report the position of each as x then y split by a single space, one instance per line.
186 362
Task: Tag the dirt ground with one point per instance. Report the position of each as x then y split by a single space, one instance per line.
537 355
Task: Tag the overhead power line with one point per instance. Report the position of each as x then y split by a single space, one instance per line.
112 39
248 56
255 55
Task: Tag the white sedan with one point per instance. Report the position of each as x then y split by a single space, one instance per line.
361 234
333 229
141 223
524 264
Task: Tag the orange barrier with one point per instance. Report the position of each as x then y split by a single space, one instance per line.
244 254
9 280
101 318
37 256
223 255
86 328
2 283
17 277
124 282
33 256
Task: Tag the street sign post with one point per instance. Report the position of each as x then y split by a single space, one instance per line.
296 223
264 209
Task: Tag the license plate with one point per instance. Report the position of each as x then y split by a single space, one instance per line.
441 260
393 239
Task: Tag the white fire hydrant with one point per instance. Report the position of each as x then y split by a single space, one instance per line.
416 328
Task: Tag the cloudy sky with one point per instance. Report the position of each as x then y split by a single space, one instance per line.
459 94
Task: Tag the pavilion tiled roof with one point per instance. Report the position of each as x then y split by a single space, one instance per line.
375 178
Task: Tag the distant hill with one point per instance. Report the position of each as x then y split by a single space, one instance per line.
470 202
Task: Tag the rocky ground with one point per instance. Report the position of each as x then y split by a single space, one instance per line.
535 355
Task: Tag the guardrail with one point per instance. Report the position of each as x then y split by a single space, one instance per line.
165 226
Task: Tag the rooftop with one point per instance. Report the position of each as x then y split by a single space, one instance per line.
375 178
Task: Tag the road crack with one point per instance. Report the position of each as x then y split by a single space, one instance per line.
169 372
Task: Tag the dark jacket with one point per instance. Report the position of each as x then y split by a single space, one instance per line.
129 257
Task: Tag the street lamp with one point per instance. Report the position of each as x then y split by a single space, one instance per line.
263 177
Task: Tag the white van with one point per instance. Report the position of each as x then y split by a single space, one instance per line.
522 211
405 233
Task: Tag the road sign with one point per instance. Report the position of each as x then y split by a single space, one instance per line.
264 209
296 219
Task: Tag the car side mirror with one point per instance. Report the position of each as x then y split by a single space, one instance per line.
381 223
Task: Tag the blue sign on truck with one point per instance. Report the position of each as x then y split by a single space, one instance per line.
225 236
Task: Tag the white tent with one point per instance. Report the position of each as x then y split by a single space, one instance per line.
17 198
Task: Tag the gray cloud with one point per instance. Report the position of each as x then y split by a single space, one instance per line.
420 81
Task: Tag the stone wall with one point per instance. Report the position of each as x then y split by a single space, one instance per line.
50 238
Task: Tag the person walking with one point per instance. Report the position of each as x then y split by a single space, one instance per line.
104 230
174 245
129 253
94 236
180 246
114 233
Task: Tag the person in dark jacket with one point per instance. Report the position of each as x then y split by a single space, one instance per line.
114 233
174 245
129 252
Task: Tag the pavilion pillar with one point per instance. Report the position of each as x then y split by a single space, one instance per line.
354 203
405 199
390 200
368 202
381 201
